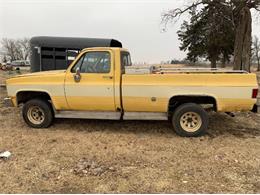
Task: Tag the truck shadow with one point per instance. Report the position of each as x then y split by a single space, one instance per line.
91 125
243 125
220 125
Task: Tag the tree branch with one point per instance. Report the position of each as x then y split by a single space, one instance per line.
174 14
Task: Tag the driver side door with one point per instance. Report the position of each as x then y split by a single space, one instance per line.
94 89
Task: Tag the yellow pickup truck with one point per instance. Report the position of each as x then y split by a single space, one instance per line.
97 86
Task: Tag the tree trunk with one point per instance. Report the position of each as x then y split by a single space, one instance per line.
258 64
213 62
242 49
5 59
223 62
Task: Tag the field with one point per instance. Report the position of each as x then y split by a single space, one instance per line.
87 156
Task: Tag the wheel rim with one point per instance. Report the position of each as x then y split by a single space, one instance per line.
35 115
190 121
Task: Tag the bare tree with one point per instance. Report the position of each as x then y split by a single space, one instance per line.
24 45
9 49
256 51
16 49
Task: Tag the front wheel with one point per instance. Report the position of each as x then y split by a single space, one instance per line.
190 120
37 113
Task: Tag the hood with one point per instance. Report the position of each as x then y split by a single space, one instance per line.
42 73
38 77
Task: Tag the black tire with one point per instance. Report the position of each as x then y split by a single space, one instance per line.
45 114
190 120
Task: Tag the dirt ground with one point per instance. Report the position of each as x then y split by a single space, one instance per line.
88 156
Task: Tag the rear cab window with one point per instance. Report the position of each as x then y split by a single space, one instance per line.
125 61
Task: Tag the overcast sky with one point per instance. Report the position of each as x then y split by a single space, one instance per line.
136 23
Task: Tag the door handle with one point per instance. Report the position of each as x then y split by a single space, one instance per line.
107 77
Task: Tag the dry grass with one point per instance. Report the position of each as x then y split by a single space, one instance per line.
146 156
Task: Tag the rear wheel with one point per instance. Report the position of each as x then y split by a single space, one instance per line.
190 120
37 113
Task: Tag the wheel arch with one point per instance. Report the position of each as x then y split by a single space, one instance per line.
23 96
177 100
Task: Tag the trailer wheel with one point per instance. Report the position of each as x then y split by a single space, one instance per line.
37 113
190 120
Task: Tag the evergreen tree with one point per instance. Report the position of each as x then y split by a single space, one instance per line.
208 34
228 30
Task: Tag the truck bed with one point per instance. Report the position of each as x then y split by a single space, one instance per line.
169 70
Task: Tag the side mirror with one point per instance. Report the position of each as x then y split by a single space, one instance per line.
77 75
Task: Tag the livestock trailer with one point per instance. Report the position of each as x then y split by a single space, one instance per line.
56 53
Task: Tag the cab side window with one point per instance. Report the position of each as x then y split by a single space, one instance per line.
94 62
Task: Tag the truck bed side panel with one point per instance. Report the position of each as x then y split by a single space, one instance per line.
152 92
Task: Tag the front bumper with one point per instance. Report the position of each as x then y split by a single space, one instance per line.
8 102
